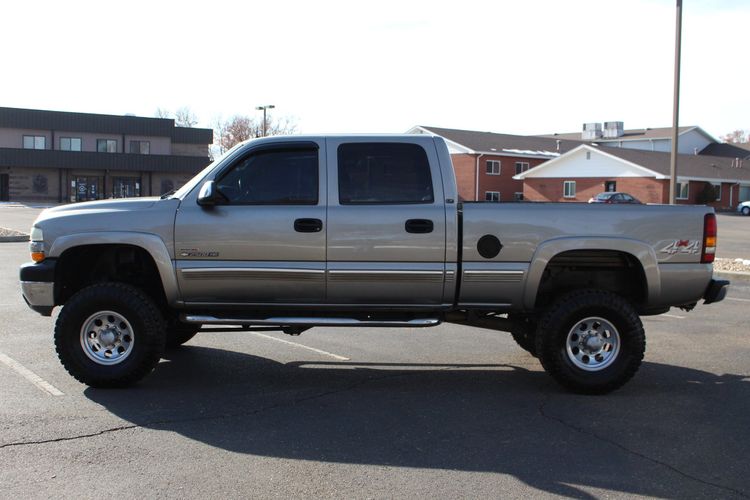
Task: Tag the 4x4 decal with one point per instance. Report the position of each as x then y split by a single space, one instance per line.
683 247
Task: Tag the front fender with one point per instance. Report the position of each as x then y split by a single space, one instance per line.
547 250
153 244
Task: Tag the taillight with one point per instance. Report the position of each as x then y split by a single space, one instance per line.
709 239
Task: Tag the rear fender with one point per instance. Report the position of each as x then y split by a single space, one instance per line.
546 251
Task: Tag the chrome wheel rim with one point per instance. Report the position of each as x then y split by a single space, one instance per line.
592 344
107 338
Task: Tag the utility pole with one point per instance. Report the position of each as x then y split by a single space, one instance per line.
676 107
264 108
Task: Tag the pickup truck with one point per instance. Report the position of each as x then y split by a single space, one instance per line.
344 231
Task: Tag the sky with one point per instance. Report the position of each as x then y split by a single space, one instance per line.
515 67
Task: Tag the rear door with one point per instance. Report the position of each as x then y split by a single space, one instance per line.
266 243
386 222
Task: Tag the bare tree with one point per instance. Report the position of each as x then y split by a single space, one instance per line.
233 131
184 117
240 128
162 113
280 126
735 137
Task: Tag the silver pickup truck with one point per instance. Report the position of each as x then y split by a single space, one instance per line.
346 231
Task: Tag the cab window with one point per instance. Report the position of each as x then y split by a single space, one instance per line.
383 173
273 177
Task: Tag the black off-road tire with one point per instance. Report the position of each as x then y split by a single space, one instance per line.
524 333
555 335
178 333
146 342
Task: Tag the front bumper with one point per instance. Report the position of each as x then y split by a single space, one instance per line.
716 291
38 285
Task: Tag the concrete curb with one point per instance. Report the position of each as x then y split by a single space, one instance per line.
12 236
733 275
14 239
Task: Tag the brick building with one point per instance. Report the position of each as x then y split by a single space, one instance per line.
577 166
588 170
53 156
486 163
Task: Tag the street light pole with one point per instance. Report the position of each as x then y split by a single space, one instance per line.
676 108
264 108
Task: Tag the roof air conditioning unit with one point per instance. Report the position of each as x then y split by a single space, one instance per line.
591 131
613 130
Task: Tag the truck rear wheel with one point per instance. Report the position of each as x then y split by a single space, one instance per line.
109 335
591 341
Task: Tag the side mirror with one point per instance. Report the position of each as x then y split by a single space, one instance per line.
209 195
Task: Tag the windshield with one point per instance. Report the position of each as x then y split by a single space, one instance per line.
189 185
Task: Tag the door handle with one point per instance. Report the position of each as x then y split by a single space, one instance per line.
419 226
308 225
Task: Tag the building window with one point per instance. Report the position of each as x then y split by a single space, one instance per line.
34 142
682 191
521 166
717 190
491 196
569 189
493 167
70 143
140 147
517 196
106 145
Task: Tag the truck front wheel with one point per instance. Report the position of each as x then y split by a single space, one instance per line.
109 335
591 341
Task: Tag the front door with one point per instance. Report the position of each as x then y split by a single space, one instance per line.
266 243
86 188
386 223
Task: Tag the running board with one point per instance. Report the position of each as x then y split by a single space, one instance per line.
309 322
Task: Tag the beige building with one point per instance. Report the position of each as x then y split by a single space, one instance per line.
58 157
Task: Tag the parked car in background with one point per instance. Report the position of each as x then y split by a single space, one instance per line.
613 197
744 208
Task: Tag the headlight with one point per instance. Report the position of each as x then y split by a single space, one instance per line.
37 244
36 234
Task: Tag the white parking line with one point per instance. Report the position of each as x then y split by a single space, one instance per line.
30 376
738 300
319 351
673 316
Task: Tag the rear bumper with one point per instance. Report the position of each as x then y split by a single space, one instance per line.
38 285
716 291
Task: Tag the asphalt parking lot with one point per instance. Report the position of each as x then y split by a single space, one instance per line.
443 412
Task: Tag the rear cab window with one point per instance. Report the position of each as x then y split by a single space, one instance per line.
383 173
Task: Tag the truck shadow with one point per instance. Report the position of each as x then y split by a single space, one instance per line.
672 432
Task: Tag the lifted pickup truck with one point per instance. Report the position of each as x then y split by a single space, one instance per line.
297 232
